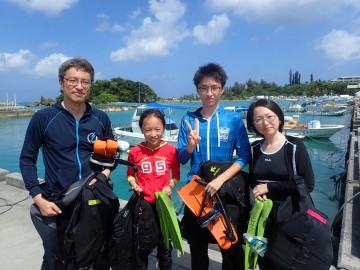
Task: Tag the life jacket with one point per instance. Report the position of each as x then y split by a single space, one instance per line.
86 233
234 193
135 235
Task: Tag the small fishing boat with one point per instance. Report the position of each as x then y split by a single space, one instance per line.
313 129
324 112
240 109
133 135
294 107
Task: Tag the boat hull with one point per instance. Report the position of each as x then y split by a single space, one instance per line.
324 113
325 131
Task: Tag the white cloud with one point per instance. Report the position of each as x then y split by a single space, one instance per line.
135 13
49 66
25 62
49 44
168 11
213 32
340 46
102 16
49 7
279 11
19 61
107 27
155 38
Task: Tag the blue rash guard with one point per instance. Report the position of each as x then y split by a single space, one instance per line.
66 146
220 136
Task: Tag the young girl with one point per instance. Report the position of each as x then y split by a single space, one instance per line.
159 170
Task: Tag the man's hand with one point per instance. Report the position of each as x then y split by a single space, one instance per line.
47 208
212 187
193 138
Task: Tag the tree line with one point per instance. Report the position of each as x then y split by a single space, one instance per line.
121 90
253 88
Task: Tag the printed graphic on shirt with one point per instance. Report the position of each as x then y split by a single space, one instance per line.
160 167
224 133
91 137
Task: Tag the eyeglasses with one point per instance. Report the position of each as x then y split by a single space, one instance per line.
268 118
75 81
205 89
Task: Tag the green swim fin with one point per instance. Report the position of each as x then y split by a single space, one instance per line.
261 242
165 233
251 230
171 221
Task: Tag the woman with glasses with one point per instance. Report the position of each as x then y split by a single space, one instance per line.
211 133
274 160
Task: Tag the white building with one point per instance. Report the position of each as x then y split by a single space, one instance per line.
352 81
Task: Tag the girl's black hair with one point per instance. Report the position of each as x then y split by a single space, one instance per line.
152 113
267 103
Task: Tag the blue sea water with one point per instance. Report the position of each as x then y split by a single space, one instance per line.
327 155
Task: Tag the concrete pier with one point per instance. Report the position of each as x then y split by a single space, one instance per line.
20 244
349 245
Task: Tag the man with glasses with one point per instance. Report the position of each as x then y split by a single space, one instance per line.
66 132
211 133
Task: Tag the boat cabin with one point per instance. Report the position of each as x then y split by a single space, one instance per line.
171 128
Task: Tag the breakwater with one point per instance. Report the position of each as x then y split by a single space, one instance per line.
15 113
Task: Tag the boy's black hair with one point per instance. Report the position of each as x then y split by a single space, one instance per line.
210 70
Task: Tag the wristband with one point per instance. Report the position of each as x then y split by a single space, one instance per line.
174 181
130 179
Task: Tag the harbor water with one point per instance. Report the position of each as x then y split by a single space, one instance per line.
327 155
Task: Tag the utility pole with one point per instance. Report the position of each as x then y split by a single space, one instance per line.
139 92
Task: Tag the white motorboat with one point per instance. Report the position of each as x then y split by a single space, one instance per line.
294 107
133 134
240 109
313 129
324 112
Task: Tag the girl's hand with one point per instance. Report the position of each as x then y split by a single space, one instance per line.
260 191
168 190
135 187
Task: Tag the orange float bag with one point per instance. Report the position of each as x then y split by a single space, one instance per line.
209 210
105 152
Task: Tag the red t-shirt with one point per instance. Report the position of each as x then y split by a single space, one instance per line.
156 167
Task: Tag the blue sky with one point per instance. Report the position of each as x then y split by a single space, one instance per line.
162 43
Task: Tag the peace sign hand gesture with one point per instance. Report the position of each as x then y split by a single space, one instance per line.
193 137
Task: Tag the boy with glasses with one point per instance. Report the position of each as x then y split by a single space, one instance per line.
211 133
